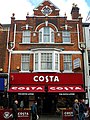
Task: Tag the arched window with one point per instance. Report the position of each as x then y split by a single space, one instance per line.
46 35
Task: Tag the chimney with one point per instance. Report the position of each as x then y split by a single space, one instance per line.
12 27
75 11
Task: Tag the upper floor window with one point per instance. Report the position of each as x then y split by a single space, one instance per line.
66 37
67 62
26 36
44 61
25 61
46 35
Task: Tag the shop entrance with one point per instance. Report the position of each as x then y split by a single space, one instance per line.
47 103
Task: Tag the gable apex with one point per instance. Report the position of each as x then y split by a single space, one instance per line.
41 4
46 8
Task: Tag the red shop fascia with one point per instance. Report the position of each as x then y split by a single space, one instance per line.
56 82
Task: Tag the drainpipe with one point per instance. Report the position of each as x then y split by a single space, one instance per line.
10 51
78 37
82 49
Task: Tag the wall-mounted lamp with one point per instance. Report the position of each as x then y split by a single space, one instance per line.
82 45
58 34
11 44
1 69
34 34
18 68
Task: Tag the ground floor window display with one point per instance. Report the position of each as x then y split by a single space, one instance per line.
46 102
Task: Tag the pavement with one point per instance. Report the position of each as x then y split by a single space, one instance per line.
50 117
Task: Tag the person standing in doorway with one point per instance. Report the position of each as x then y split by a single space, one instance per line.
14 110
34 110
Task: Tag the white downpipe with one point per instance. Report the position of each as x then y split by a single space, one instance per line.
78 36
10 51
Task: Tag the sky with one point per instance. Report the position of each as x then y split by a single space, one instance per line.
22 7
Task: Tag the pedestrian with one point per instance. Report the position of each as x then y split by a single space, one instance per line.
22 104
34 110
14 110
75 109
82 108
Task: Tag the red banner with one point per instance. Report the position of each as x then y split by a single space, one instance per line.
67 114
46 78
7 114
26 89
65 89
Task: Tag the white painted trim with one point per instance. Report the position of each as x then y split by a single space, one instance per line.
32 52
48 23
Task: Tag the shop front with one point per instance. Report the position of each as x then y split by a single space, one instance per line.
47 88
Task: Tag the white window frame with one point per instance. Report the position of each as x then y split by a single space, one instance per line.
42 35
27 61
26 36
67 62
66 37
53 62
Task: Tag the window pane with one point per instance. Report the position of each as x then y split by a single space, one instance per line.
46 61
56 61
67 62
46 35
25 62
52 36
25 66
26 37
36 61
40 36
66 36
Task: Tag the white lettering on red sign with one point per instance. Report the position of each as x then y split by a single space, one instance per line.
46 79
27 88
65 88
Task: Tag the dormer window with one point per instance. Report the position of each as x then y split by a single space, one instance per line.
46 35
46 10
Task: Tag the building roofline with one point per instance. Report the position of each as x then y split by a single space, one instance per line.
48 1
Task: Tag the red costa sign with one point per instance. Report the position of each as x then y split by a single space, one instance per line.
46 78
65 89
50 89
27 89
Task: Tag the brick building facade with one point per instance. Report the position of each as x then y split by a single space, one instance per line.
44 56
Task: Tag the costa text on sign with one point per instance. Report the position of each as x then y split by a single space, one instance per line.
46 78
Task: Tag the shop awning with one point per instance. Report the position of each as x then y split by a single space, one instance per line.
30 89
65 89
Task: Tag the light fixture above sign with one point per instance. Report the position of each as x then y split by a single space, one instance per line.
46 10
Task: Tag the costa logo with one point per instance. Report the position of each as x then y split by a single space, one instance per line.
27 88
68 113
7 115
23 114
46 79
65 88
